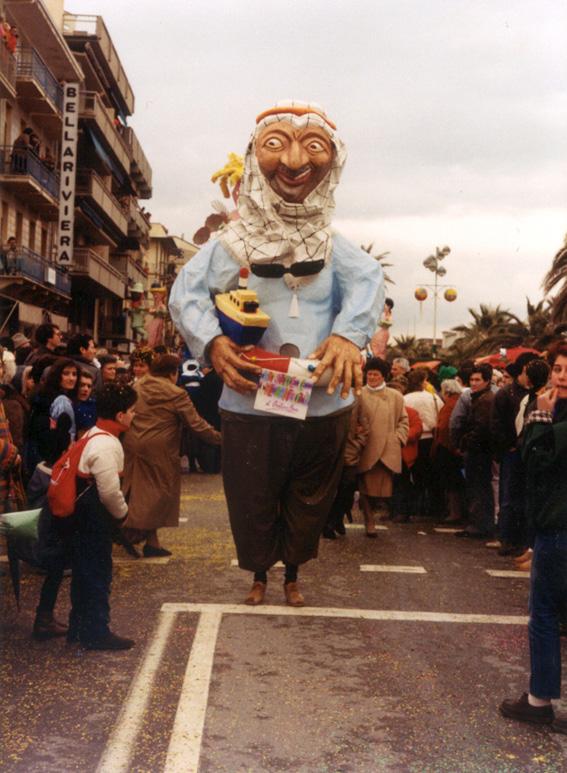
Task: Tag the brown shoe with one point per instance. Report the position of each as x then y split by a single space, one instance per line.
526 556
256 594
293 596
525 567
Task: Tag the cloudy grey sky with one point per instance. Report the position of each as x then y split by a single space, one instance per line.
454 113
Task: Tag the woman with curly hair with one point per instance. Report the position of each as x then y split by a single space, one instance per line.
52 421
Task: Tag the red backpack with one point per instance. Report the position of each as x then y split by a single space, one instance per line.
62 491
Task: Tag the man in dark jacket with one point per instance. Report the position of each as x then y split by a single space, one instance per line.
505 442
544 453
476 446
81 349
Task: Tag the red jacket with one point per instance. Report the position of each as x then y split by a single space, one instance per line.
409 451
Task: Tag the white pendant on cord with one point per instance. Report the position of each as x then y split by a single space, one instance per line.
294 306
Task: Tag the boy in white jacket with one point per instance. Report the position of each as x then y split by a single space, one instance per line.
99 501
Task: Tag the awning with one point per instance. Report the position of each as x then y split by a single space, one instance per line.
105 158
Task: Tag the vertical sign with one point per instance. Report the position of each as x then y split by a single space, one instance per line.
68 174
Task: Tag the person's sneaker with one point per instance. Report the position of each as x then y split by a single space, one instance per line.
521 709
559 725
109 641
47 627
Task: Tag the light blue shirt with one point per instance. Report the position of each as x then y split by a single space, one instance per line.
346 298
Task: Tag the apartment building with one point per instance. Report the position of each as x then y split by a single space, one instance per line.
165 256
32 288
110 228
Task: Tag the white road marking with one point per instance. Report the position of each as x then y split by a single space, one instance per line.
445 530
123 561
183 520
359 614
185 744
118 752
390 568
119 561
507 573
378 527
277 565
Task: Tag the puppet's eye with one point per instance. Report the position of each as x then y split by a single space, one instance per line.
316 147
273 143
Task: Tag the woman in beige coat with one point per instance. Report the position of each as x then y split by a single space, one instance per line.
152 472
383 409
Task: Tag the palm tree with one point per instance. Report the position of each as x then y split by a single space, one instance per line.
490 327
405 346
380 258
557 275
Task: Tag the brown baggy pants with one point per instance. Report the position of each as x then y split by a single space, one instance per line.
280 478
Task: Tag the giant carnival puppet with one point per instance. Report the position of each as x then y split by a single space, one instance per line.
320 299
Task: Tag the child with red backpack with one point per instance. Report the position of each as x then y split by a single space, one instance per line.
99 502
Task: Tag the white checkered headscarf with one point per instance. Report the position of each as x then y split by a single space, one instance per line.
271 230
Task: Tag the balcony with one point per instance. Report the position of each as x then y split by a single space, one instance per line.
140 168
91 187
97 117
89 33
31 278
7 74
39 92
22 173
89 267
130 269
138 226
43 35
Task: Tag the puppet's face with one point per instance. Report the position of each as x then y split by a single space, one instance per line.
294 160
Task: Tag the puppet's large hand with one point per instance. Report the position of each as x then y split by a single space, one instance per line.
223 354
345 359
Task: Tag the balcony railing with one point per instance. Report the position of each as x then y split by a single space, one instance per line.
141 169
90 263
91 107
93 27
138 226
23 161
32 67
130 269
27 263
7 73
90 184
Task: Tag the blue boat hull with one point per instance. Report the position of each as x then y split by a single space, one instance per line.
240 334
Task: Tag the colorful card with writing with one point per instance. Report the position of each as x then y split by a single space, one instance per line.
283 395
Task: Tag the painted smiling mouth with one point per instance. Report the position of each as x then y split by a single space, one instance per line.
294 177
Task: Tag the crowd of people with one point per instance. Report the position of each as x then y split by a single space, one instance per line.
445 444
55 393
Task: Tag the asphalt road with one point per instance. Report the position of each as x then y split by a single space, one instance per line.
382 671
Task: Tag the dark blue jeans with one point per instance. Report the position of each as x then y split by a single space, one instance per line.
511 519
91 569
548 603
480 498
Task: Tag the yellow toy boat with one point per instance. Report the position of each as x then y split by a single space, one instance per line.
239 313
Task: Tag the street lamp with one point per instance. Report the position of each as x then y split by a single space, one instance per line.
433 264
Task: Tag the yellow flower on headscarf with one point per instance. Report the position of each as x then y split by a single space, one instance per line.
230 174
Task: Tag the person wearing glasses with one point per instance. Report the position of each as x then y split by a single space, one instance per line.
324 297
